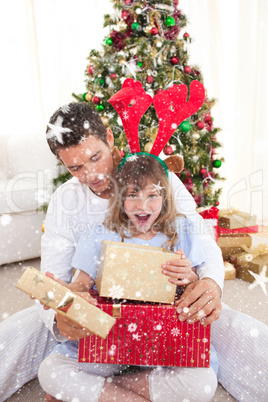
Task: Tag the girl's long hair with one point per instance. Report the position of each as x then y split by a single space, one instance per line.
137 171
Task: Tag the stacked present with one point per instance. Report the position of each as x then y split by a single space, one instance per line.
251 260
234 234
136 323
147 329
233 221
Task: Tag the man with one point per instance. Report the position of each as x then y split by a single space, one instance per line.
84 146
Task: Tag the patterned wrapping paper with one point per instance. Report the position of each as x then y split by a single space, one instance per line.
150 335
65 302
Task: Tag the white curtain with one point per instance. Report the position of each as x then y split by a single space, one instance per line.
230 44
44 48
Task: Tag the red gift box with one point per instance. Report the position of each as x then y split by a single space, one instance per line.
147 334
248 229
211 216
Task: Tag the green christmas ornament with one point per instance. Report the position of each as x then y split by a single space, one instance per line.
185 126
100 108
216 163
99 81
109 41
135 26
170 21
140 64
84 96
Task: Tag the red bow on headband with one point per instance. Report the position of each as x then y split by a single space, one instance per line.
171 106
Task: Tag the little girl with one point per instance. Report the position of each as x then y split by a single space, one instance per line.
141 211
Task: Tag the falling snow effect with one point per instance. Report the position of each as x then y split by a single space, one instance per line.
116 292
56 130
260 280
5 219
65 109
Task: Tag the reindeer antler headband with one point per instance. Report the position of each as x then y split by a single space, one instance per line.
171 106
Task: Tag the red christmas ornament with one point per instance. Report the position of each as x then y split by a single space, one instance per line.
128 2
159 90
186 35
187 69
196 73
150 79
122 154
208 128
168 150
203 172
200 125
154 31
96 100
174 60
187 172
189 184
125 14
197 199
113 76
217 203
208 119
90 70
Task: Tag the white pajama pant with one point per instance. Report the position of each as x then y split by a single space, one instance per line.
240 342
66 379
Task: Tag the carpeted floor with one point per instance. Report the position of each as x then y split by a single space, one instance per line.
236 294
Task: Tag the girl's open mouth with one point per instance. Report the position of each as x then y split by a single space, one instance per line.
142 218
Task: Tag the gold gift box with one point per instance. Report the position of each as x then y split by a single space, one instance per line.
245 262
134 272
65 302
232 244
234 219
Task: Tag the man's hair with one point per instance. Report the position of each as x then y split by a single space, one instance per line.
71 124
137 170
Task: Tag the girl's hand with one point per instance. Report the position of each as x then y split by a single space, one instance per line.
180 270
73 286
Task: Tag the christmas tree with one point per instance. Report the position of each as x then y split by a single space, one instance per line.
147 43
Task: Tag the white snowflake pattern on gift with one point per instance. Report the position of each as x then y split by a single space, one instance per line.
175 331
249 257
132 327
116 292
56 130
136 336
125 115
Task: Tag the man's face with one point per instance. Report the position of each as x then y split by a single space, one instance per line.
91 162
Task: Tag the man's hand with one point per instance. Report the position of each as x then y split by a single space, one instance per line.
200 302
